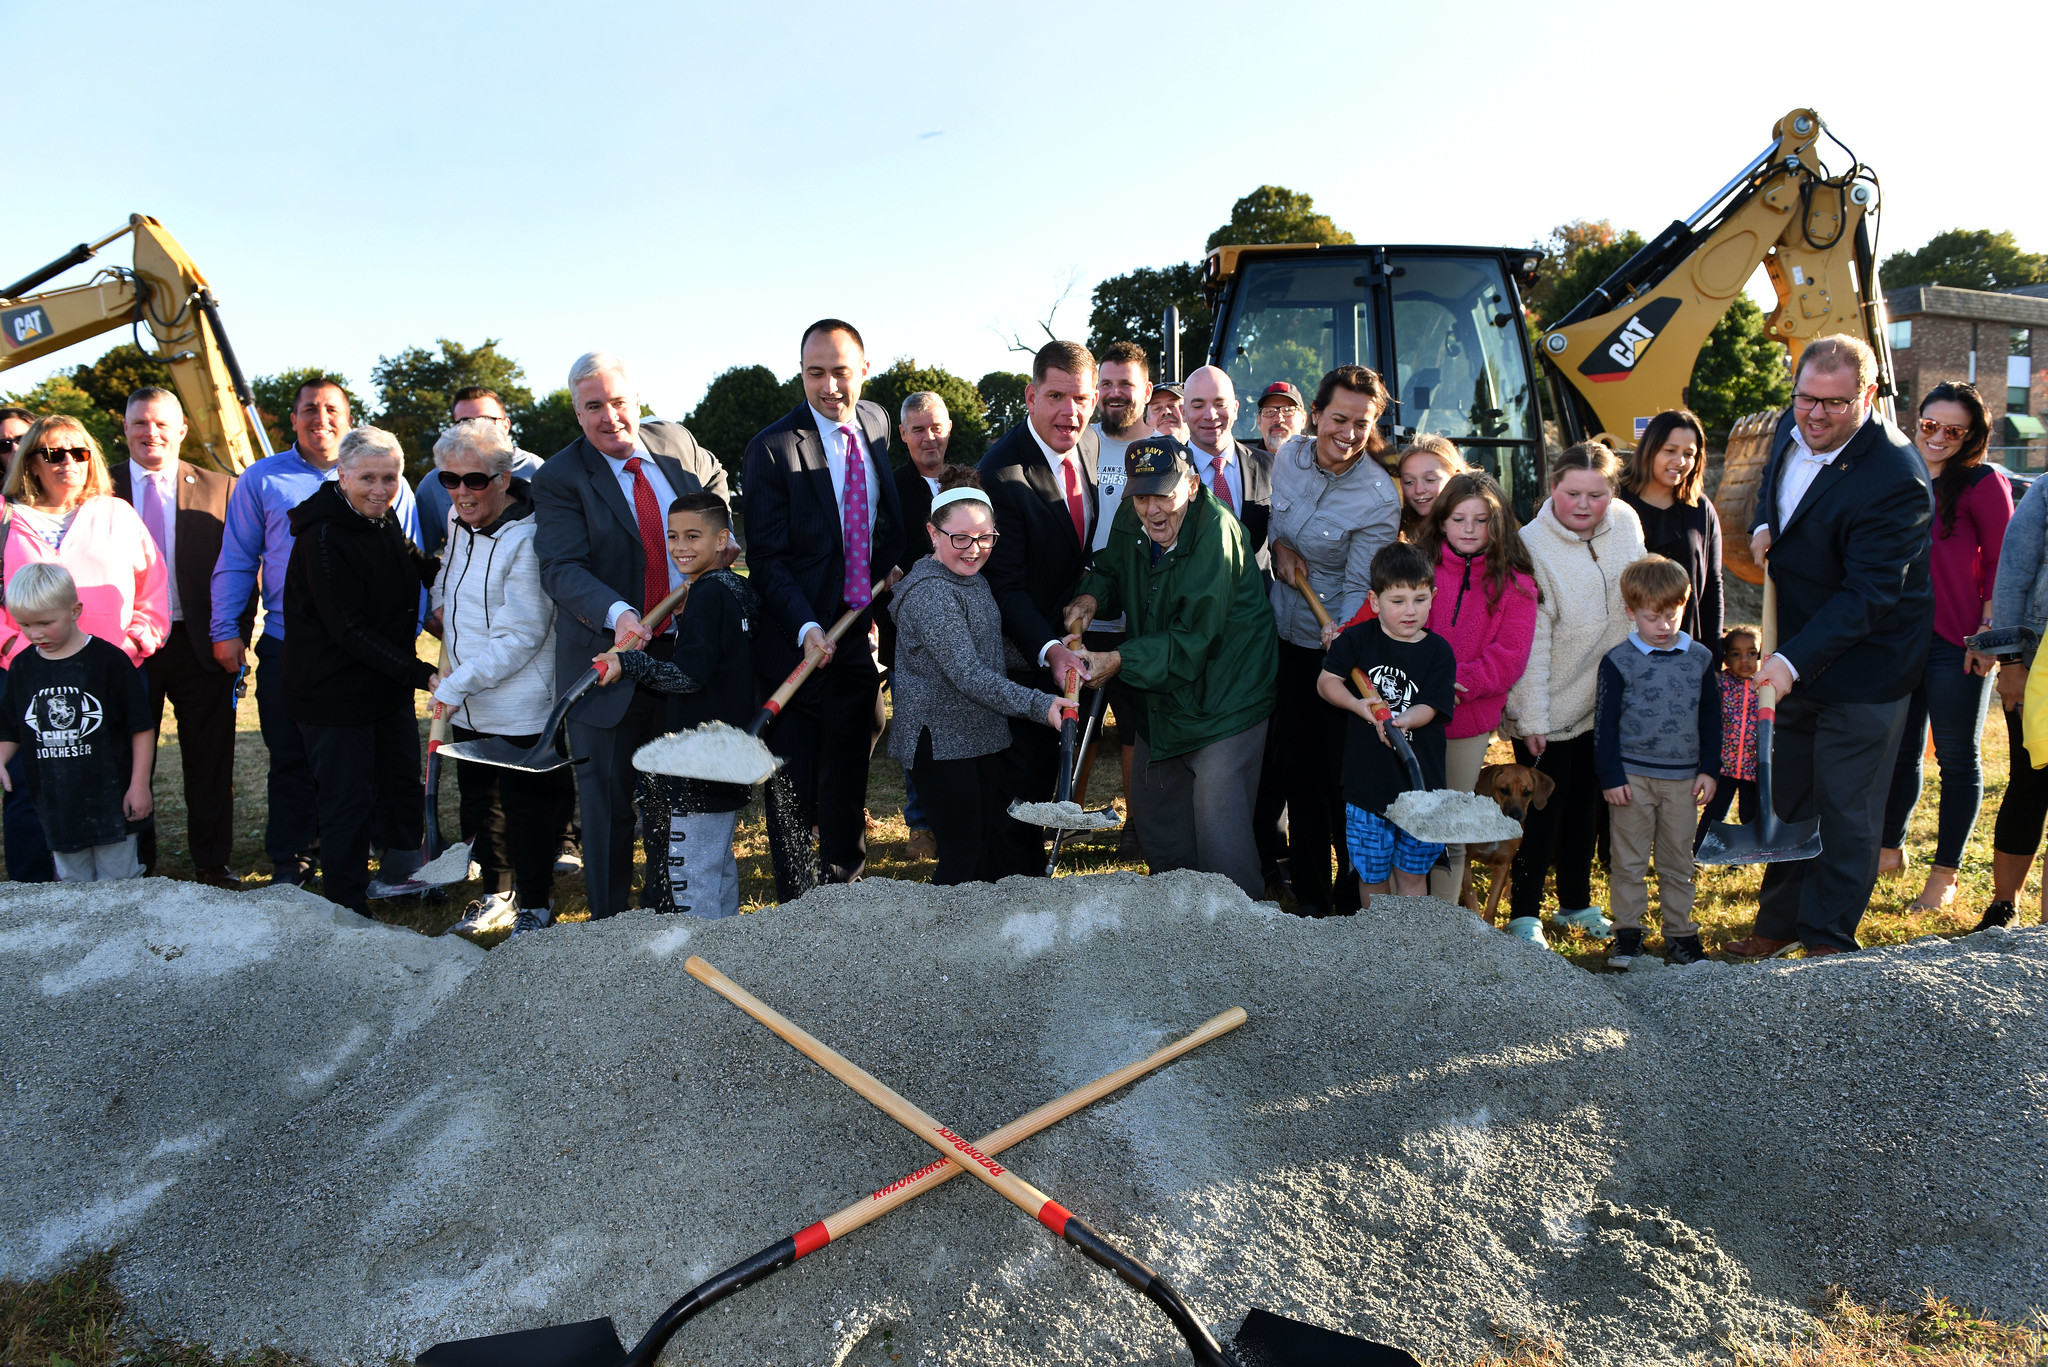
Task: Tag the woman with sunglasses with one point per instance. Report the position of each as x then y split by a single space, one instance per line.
498 627
951 687
1972 505
61 507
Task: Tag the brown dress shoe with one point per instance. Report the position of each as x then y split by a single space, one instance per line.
1756 947
221 877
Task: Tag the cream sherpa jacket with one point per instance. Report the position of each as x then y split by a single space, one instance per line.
1579 621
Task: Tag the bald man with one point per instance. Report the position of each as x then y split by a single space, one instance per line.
1240 476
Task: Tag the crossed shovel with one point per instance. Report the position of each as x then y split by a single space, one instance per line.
1264 1340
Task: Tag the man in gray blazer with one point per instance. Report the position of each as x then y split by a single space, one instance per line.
601 505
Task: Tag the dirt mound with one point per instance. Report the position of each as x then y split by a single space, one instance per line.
1428 1133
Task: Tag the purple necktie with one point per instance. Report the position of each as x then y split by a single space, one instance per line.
153 510
854 524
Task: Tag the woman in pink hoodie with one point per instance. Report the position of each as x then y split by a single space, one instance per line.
1485 606
61 506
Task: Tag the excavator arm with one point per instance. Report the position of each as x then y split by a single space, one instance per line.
167 293
1626 352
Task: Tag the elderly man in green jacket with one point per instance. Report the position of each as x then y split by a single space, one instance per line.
1199 651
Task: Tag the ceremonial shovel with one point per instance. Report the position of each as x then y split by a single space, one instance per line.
773 707
595 1343
1766 840
543 756
1265 1340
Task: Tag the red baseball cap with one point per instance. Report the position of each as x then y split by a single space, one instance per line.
1280 389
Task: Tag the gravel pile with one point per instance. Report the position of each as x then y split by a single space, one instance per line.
1447 816
713 751
1428 1133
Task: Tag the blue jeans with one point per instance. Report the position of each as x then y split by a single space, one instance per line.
1951 704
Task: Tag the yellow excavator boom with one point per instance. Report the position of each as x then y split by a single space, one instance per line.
167 293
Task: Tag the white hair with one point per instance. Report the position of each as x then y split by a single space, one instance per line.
483 438
593 363
924 401
368 441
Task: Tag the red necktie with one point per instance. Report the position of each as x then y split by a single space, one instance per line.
1221 485
1075 508
653 544
854 530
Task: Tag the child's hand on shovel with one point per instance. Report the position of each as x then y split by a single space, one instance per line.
609 670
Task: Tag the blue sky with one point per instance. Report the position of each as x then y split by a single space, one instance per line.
689 185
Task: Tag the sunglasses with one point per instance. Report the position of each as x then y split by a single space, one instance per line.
1928 427
450 480
7 445
57 455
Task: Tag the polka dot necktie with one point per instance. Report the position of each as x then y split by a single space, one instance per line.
854 530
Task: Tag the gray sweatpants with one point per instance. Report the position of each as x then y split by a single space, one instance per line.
703 877
99 863
1194 811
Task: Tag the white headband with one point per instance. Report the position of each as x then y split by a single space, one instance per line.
955 495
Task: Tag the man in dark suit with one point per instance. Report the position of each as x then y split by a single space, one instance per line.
927 430
601 514
183 505
824 525
1240 476
1843 511
1041 479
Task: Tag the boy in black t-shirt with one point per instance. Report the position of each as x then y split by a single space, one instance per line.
708 677
74 702
1417 674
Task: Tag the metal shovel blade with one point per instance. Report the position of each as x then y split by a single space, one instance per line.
504 754
1761 842
592 1343
1270 1340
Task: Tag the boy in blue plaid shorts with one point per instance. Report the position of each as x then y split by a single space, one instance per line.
1417 674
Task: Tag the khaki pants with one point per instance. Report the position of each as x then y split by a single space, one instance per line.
1463 759
1659 816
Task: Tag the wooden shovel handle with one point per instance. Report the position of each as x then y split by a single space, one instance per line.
1009 1185
782 695
1371 695
440 731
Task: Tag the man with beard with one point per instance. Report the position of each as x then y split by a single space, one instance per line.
256 546
1040 479
1124 393
1281 416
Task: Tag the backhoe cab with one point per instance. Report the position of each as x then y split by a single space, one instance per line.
1443 325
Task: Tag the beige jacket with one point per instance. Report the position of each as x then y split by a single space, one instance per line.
1579 621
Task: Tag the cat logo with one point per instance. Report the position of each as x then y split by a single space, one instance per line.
24 327
1615 358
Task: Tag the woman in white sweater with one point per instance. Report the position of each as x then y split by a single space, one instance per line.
499 629
1580 540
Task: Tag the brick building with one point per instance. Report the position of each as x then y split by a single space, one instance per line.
1984 338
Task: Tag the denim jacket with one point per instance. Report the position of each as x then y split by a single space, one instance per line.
2020 598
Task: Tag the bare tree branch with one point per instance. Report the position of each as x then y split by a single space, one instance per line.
1016 340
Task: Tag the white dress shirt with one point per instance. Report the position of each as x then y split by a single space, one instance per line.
836 462
1058 463
1803 465
1233 474
664 494
164 486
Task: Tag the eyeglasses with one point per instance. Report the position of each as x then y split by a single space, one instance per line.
57 455
1288 408
1806 403
1928 427
450 480
962 540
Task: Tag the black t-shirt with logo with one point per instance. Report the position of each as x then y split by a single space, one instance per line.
74 719
1407 673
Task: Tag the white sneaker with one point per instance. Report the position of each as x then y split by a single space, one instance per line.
493 911
1528 928
1590 920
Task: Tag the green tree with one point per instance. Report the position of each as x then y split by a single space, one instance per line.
964 405
545 425
737 404
1561 252
1132 308
417 389
1586 267
61 394
109 381
1273 213
1971 259
1740 370
275 393
1003 393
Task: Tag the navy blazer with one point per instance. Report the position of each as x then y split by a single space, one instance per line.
1855 603
796 551
1036 563
588 541
1255 464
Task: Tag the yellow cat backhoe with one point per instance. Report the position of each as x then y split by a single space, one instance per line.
165 292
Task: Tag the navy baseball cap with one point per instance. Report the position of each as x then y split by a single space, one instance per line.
1154 465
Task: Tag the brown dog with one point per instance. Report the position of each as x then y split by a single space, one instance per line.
1517 789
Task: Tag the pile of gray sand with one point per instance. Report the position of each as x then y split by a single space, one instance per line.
713 751
1447 816
1428 1133
1065 816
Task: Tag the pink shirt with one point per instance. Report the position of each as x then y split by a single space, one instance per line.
123 585
1491 640
1964 566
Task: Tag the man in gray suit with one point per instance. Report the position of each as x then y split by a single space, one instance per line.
601 504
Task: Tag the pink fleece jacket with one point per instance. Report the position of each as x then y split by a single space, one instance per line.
123 584
1491 640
